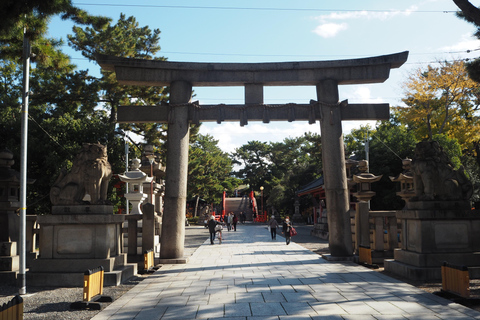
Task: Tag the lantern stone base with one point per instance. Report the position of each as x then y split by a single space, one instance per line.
9 263
70 244
431 237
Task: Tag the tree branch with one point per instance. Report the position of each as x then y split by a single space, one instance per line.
469 10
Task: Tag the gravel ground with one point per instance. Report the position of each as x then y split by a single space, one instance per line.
54 303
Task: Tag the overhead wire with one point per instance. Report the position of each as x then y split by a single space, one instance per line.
259 8
49 135
387 147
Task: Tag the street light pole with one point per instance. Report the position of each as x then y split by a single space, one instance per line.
151 159
23 166
261 189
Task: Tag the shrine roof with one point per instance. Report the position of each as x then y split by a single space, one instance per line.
312 186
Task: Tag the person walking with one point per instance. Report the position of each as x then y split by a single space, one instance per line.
273 224
229 221
211 228
287 228
234 222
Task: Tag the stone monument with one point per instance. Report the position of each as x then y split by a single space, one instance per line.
82 232
437 223
297 216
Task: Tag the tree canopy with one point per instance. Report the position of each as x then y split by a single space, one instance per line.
442 100
280 167
32 17
209 170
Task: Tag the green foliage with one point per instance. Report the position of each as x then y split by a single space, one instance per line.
33 16
388 145
209 170
281 168
124 39
193 220
452 148
69 107
255 161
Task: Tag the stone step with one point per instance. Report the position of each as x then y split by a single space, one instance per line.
75 279
9 263
77 265
8 248
8 278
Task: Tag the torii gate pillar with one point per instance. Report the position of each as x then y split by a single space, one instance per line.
333 160
173 229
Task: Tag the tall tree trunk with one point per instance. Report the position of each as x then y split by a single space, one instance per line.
196 207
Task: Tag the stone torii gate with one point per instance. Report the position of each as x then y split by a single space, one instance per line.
182 76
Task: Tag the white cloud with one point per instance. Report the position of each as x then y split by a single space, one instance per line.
231 135
362 94
466 42
330 30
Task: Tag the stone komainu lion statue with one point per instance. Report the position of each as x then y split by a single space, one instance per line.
434 176
90 175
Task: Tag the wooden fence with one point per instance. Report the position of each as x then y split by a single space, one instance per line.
13 310
456 280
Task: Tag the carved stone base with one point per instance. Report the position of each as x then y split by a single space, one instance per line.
438 205
69 272
431 237
87 209
73 243
422 273
81 236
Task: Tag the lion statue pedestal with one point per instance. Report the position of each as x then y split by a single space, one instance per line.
79 234
437 223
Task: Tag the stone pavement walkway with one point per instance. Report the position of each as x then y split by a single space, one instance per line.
249 276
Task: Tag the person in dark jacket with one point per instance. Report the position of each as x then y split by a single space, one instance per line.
234 222
211 228
287 227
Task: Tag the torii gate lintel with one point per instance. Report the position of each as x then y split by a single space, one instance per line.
252 112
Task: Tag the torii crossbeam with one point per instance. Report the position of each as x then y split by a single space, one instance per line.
182 76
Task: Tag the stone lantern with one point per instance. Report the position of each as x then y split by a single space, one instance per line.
155 188
9 219
135 179
405 178
364 182
364 194
349 165
9 186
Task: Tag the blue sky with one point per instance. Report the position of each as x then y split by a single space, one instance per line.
302 30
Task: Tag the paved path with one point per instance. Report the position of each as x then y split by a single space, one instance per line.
249 276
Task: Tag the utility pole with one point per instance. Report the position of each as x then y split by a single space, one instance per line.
127 148
367 151
23 165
